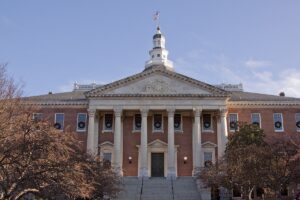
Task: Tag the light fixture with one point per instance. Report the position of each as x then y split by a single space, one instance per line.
130 159
185 159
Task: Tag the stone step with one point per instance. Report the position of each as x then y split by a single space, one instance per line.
183 188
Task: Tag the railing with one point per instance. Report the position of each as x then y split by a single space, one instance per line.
141 192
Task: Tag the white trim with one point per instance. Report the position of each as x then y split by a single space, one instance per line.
282 125
106 147
259 119
237 119
63 122
161 130
84 130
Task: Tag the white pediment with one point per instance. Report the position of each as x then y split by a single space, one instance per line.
209 145
157 143
158 84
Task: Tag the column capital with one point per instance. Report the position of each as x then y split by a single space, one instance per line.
197 112
91 112
144 111
118 111
171 111
223 112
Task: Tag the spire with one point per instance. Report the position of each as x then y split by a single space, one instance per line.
159 54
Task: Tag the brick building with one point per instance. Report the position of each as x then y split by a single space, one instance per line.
162 123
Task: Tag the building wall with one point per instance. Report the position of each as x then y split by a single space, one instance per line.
70 120
267 122
182 139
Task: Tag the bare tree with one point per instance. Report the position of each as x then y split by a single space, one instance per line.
252 162
36 158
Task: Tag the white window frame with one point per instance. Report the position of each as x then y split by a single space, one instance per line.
83 130
211 129
208 150
282 126
296 120
104 130
63 122
180 130
34 114
134 128
237 119
161 130
259 119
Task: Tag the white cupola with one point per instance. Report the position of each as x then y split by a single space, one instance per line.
159 55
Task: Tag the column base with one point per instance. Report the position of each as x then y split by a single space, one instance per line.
171 175
196 171
143 173
118 170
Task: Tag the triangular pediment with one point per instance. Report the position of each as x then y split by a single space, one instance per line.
157 143
209 145
157 82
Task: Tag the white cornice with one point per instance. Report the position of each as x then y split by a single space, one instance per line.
262 104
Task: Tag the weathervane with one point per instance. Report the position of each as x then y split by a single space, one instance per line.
156 17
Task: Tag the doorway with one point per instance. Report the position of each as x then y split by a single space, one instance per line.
157 164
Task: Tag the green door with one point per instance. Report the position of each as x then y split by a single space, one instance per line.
157 164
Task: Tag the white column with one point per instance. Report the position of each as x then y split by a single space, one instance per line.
143 172
219 136
117 140
198 143
224 131
96 133
91 133
171 145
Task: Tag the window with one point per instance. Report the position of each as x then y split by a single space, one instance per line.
107 159
255 118
158 55
108 122
233 118
37 117
278 122
207 122
59 121
208 158
137 122
298 121
177 122
81 122
157 122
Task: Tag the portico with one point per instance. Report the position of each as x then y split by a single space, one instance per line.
145 147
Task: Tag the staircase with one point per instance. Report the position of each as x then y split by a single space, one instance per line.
183 188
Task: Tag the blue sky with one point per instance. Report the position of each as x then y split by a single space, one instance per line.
49 45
